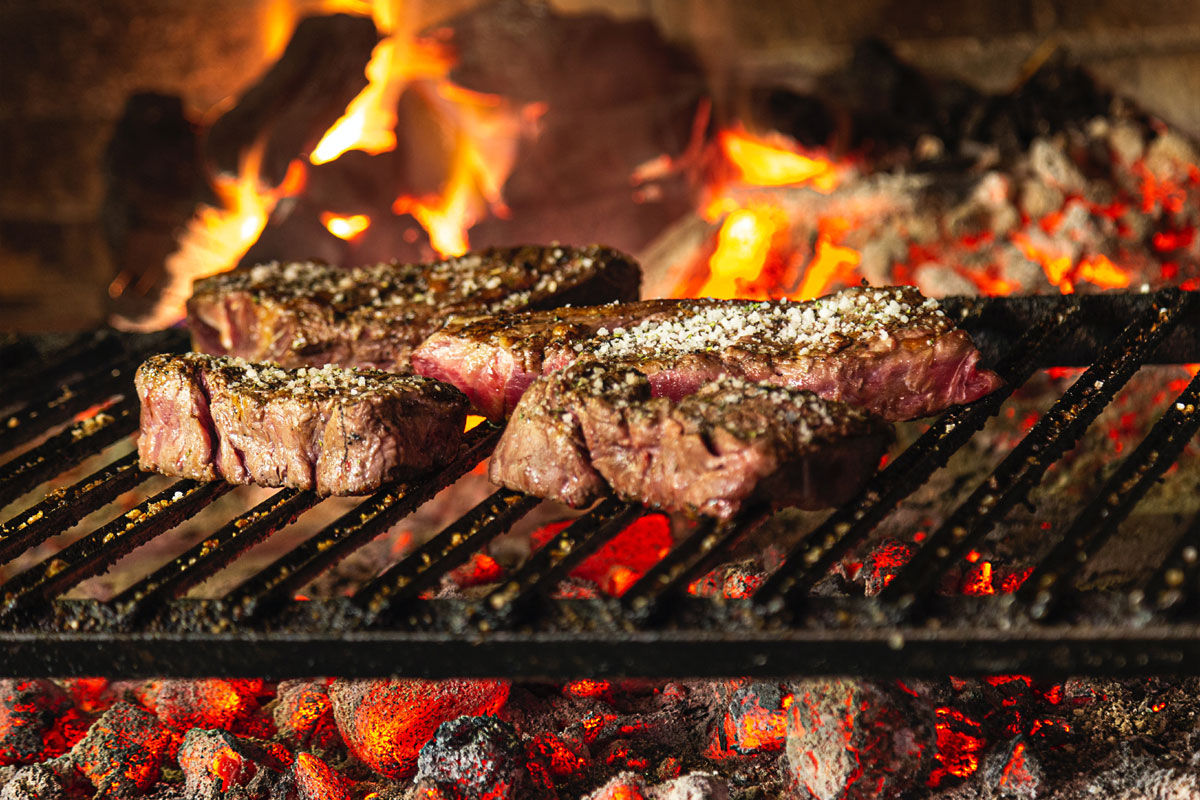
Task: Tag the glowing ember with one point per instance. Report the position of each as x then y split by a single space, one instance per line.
623 559
347 228
959 742
386 723
587 688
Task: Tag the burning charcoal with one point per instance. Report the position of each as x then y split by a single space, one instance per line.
123 752
310 778
473 758
625 786
36 719
938 280
1054 167
1012 771
1171 157
203 703
852 739
630 786
53 780
696 786
387 722
883 564
755 720
213 763
304 714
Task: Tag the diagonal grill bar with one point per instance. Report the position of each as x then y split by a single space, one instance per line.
1173 586
66 449
272 587
542 571
78 355
208 557
62 508
1023 468
812 558
401 583
62 402
1095 525
668 580
91 554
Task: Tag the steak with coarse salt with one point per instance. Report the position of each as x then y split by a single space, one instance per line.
590 429
306 314
888 350
331 430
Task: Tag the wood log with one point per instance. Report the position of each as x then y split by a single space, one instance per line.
298 99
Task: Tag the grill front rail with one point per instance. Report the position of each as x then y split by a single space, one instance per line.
392 626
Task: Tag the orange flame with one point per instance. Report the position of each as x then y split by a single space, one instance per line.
217 237
742 248
750 227
776 162
347 228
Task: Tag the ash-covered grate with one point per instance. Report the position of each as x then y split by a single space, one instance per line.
66 404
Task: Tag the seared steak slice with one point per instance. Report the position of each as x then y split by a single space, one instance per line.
336 431
494 359
888 350
313 314
730 444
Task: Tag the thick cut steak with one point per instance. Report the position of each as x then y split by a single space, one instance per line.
590 428
304 314
333 430
889 350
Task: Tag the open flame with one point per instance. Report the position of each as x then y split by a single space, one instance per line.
483 132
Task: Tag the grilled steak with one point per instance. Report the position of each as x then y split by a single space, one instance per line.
494 359
888 350
337 431
311 314
730 444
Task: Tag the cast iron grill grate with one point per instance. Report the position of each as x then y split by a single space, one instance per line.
63 405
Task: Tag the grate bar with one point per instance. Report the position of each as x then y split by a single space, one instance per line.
1023 468
63 508
80 354
61 403
812 557
540 574
401 583
66 449
668 580
274 585
213 554
1097 523
91 554
1174 582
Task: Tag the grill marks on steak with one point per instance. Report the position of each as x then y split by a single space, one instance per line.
889 350
305 314
335 431
588 428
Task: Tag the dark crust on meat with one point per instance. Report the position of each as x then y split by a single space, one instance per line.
730 444
313 314
889 349
332 430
